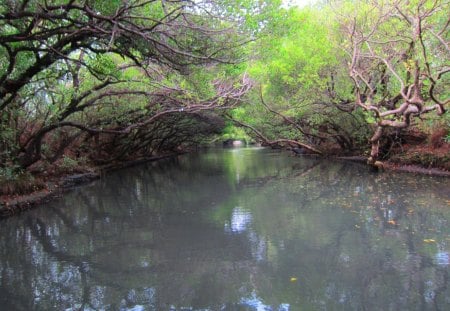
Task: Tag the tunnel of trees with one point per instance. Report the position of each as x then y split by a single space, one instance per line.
91 82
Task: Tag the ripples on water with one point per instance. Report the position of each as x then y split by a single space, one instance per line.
236 229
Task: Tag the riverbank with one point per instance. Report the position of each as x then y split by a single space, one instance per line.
12 204
56 185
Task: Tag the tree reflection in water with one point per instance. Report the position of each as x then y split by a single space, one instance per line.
241 229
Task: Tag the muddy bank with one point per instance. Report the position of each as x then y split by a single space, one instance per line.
12 204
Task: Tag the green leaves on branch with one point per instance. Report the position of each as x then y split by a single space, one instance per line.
103 66
105 7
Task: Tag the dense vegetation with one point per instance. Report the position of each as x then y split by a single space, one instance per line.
339 76
90 82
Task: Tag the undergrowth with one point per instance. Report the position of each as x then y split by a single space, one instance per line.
17 182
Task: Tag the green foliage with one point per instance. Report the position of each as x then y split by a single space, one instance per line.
104 65
296 65
198 84
252 16
301 74
447 138
113 79
106 7
235 70
370 118
86 73
14 181
68 163
233 132
9 173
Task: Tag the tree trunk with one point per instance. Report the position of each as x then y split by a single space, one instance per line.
375 149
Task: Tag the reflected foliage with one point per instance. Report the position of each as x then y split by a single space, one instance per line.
239 229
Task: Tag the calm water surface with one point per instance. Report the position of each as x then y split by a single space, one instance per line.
237 229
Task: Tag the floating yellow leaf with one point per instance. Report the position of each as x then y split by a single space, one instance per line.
429 241
293 279
392 222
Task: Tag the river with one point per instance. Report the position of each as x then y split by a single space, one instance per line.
234 229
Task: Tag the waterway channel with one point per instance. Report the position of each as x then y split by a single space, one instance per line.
234 229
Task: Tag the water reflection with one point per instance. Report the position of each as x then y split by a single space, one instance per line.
442 258
256 303
239 229
240 220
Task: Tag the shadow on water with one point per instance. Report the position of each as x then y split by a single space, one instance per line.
236 229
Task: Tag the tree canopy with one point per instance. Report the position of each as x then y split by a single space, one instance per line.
341 74
111 67
113 80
